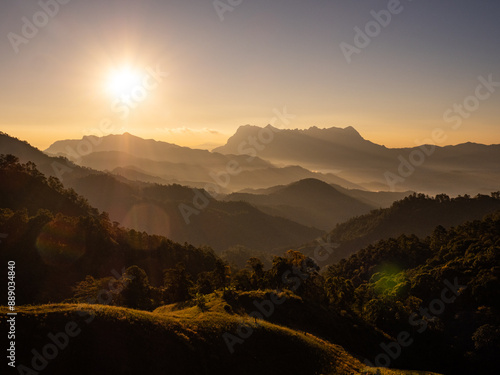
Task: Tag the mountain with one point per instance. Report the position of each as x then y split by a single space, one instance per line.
143 148
190 215
468 167
23 187
416 214
174 164
170 210
310 202
50 166
315 203
330 149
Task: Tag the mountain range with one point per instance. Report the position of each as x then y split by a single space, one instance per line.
315 203
465 168
169 210
68 228
155 161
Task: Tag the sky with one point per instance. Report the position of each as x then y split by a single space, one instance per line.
192 71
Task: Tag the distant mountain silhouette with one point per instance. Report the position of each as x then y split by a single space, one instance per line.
465 168
309 202
377 199
174 164
314 148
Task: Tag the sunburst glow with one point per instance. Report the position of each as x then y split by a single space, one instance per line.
123 81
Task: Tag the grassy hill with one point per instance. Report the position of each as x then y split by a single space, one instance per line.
172 341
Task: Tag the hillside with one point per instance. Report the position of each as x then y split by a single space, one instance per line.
24 187
415 214
181 342
443 290
156 208
57 238
309 202
379 199
58 167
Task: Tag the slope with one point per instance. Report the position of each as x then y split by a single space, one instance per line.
134 342
310 202
156 208
442 290
190 215
416 214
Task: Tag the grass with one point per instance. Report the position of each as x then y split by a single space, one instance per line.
176 339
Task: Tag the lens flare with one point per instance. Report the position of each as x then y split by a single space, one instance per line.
149 218
60 243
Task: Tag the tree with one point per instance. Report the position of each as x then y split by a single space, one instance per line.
221 275
136 292
6 161
242 280
204 283
177 283
257 275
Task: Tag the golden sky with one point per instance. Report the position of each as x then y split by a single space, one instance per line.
190 75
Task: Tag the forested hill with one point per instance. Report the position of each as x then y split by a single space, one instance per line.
56 239
444 290
25 187
416 214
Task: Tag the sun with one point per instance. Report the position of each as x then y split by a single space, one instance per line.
123 81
